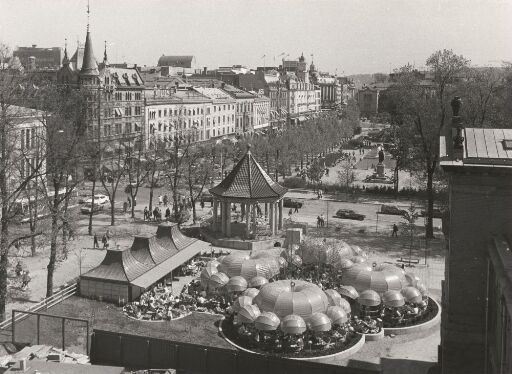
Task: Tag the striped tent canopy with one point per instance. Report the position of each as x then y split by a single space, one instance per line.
258 281
319 322
349 291
369 298
248 314
241 302
241 265
251 292
393 298
363 277
337 315
412 295
293 324
286 297
218 280
267 321
236 284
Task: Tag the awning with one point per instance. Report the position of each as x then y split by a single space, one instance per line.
118 111
149 278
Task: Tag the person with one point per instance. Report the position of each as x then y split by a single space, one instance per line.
71 233
290 213
19 269
202 204
160 200
167 214
104 240
108 234
322 220
166 200
26 280
296 208
134 201
318 221
128 203
146 213
395 230
125 207
95 242
155 213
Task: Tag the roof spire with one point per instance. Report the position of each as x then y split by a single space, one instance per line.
105 59
89 65
65 60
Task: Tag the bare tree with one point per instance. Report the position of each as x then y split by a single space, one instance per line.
137 170
113 169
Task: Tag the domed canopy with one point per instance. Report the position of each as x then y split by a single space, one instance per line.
369 298
241 302
334 297
337 315
286 297
218 280
237 264
248 313
393 298
412 295
319 322
251 292
349 291
363 277
248 181
293 324
267 321
258 281
236 284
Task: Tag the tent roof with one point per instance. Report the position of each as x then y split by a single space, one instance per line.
248 180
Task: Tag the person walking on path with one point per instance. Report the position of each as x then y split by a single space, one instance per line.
322 220
108 234
296 208
95 243
167 214
104 240
146 213
166 200
202 204
125 207
395 230
129 202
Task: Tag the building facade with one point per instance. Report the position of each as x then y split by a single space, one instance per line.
35 57
476 327
245 109
261 112
184 113
220 120
115 113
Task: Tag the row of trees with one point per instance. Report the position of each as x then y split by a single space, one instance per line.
419 110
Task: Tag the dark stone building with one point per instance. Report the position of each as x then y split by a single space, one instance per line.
476 328
39 58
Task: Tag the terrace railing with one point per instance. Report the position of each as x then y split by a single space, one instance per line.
44 304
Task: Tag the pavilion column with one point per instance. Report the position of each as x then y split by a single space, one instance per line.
276 216
266 210
242 208
272 219
248 219
228 219
222 217
215 218
254 218
280 222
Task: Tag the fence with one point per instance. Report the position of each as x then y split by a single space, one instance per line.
44 304
76 329
116 349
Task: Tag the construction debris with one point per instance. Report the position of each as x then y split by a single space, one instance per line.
43 353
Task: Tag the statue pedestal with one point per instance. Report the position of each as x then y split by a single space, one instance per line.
380 170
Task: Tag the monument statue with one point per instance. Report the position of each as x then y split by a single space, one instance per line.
380 165
381 155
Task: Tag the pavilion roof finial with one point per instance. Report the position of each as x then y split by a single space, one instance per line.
249 148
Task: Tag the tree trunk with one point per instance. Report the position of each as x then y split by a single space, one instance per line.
53 242
429 228
395 182
193 202
4 248
151 189
112 210
93 191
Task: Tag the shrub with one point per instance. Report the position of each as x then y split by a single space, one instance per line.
295 182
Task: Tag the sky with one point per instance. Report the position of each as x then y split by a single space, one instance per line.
344 36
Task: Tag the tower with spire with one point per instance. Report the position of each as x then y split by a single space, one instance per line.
89 74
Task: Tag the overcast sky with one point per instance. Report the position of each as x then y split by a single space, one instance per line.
352 36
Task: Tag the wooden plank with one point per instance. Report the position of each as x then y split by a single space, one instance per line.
490 143
507 134
481 148
499 136
470 143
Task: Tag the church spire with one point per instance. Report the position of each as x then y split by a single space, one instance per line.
89 65
105 58
65 60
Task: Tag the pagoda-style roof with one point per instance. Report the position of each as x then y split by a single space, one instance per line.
248 181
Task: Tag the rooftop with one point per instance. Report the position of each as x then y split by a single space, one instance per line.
176 61
248 181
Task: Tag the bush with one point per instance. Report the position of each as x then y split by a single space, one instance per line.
180 217
295 182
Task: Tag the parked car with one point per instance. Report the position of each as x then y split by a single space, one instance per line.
349 214
86 209
98 199
391 209
436 213
291 203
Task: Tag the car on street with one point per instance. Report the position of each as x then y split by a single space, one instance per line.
292 203
392 209
98 199
349 214
86 209
436 213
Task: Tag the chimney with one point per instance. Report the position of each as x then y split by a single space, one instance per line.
34 45
204 70
454 138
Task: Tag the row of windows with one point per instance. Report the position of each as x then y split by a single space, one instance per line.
28 138
28 166
128 96
120 128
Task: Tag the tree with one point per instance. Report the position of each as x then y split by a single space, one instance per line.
113 169
346 174
13 89
64 114
198 169
315 171
408 225
137 172
155 157
424 110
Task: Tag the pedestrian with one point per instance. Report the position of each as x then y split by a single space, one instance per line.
95 243
202 204
167 214
108 234
25 280
322 220
317 221
395 230
104 240
146 213
155 214
166 200
125 207
19 269
296 208
290 213
160 200
134 201
71 233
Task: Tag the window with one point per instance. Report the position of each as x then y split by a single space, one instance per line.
128 111
128 96
119 128
159 114
137 96
224 107
137 111
119 96
165 112
127 128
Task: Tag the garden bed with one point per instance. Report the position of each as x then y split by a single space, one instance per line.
230 333
431 313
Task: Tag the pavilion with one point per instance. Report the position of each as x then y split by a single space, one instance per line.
247 185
